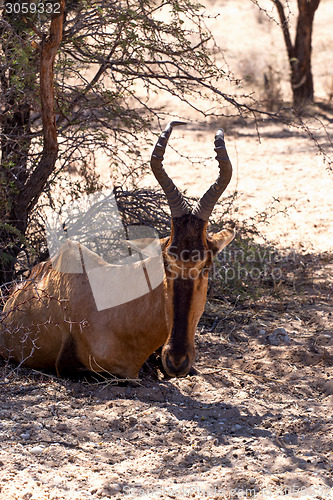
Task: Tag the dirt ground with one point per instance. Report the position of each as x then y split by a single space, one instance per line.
256 418
255 421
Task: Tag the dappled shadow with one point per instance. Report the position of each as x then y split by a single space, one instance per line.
190 425
253 411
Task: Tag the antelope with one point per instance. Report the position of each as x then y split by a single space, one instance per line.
51 322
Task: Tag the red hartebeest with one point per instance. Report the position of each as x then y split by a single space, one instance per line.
51 321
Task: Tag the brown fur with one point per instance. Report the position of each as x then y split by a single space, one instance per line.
53 317
51 321
188 256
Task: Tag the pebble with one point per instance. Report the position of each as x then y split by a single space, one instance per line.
328 387
25 435
279 336
109 489
36 450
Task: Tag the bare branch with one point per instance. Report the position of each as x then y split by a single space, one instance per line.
285 28
49 48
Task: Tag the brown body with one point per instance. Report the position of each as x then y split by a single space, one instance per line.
51 320
53 323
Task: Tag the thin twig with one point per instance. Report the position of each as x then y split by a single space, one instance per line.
106 381
240 372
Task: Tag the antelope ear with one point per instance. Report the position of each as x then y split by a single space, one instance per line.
163 242
218 241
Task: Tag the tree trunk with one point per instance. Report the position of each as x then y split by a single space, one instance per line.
300 63
15 139
299 53
21 186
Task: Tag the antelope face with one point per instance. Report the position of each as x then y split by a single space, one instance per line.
188 255
187 260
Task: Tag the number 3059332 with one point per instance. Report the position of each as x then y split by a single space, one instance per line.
32 8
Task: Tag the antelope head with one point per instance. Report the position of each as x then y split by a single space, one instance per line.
188 255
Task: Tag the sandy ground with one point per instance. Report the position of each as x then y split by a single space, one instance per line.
271 162
256 420
278 172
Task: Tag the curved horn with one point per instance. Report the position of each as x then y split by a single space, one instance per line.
205 205
177 204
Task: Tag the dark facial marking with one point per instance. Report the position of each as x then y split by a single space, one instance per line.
188 235
182 300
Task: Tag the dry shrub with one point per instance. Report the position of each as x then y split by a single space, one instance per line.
271 96
265 78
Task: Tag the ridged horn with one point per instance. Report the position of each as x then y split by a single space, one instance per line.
205 205
177 204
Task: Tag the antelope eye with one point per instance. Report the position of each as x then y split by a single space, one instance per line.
205 270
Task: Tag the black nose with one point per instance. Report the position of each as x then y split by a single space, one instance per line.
177 369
